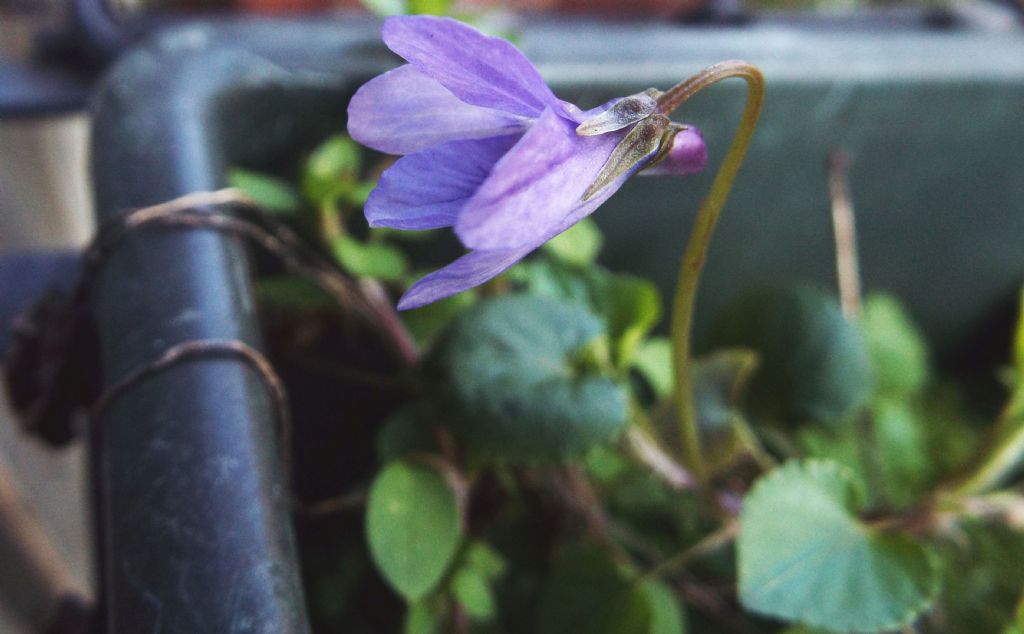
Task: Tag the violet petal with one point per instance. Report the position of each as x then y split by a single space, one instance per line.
472 269
534 187
403 111
479 69
477 267
426 190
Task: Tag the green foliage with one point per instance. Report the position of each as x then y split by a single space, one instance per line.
472 583
270 193
514 380
427 322
587 592
386 8
805 556
413 527
332 171
653 359
628 305
983 579
579 245
407 431
370 259
292 292
897 349
814 365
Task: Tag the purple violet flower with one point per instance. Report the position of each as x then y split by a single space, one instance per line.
492 152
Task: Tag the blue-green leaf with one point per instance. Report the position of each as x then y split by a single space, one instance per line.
814 366
517 378
413 527
805 556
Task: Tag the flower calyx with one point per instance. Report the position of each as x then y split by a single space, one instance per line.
651 140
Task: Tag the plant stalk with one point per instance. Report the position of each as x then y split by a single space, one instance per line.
694 256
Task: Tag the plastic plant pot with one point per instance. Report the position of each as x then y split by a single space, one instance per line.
194 530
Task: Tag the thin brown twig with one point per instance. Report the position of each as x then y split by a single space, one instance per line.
845 232
279 241
198 348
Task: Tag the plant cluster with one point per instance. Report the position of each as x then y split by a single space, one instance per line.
553 463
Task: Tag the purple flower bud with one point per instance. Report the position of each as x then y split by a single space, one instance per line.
688 155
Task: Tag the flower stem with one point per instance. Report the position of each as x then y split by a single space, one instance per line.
1004 453
696 249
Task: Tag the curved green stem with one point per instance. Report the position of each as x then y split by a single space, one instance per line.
696 249
1003 455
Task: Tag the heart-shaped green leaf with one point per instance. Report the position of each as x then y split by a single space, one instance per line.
520 377
412 524
805 556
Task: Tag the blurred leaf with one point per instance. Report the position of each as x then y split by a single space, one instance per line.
484 559
426 322
385 8
294 292
270 193
901 442
719 381
897 349
511 376
412 524
983 577
358 195
579 245
666 614
632 307
604 464
588 593
377 260
331 171
899 452
719 384
814 364
473 592
629 306
430 7
653 359
406 431
805 556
